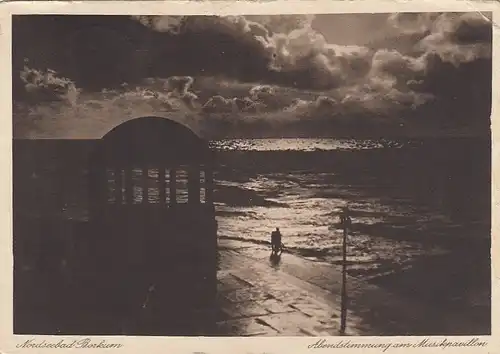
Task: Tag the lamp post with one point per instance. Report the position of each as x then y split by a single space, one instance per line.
345 221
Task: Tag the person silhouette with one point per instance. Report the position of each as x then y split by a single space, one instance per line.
276 241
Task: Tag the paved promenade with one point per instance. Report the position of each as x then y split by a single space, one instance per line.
298 296
257 299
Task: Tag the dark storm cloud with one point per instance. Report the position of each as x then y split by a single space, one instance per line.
459 38
290 52
430 69
471 29
458 72
282 50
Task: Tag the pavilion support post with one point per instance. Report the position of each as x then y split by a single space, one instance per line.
162 185
129 186
98 190
194 185
173 186
145 191
209 185
118 185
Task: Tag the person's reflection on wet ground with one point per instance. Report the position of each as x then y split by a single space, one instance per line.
275 259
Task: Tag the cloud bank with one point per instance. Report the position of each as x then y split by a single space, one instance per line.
228 75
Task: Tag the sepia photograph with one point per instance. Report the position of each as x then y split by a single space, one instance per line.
261 175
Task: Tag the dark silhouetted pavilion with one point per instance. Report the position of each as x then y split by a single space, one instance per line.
151 255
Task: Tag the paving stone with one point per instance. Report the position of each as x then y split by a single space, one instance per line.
317 329
249 309
250 294
264 284
275 306
228 282
288 323
245 327
287 297
311 308
242 280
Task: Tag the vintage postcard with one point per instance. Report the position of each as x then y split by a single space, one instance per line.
300 176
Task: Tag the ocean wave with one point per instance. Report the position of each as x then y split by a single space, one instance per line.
232 195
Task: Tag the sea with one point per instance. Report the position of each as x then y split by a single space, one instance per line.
407 198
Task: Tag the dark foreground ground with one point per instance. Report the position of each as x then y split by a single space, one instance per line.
260 296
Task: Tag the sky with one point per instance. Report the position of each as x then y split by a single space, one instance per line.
351 29
355 75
